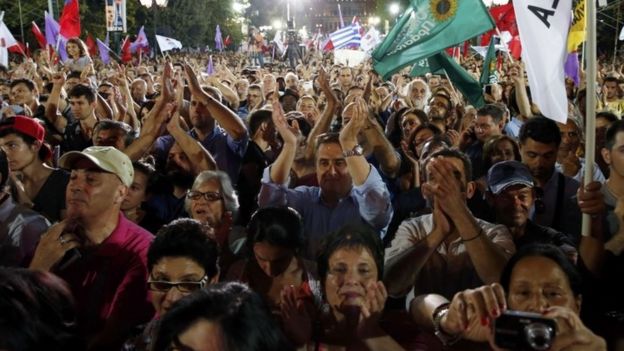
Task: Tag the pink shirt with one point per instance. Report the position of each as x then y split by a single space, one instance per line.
109 282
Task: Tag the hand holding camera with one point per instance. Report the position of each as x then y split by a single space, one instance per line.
481 315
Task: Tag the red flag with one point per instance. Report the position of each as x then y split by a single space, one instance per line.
126 55
19 48
70 20
329 45
227 41
515 47
505 19
38 35
91 45
466 48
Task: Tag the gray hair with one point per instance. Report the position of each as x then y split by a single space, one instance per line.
230 199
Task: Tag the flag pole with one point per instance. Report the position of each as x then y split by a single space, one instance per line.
111 51
504 44
590 113
615 44
451 84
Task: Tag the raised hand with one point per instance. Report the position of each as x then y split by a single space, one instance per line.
359 119
193 84
287 132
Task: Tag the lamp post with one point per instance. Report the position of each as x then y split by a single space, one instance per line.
155 4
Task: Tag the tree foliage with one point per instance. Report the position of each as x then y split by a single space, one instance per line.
191 21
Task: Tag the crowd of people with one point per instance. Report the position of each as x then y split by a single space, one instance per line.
155 206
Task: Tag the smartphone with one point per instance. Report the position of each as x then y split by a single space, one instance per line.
74 227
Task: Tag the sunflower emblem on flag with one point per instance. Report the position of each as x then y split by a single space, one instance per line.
443 9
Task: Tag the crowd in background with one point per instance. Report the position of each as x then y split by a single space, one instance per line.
166 205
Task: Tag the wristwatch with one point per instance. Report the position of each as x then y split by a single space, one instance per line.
356 151
445 338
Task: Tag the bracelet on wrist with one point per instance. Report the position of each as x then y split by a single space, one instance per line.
481 231
445 338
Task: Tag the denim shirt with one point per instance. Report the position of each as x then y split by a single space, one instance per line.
368 203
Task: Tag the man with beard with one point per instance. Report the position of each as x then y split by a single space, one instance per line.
488 123
556 206
350 189
449 250
255 98
97 251
186 159
610 99
440 111
418 93
216 127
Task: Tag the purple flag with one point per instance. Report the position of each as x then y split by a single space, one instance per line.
571 68
52 29
210 67
140 42
54 37
103 48
218 39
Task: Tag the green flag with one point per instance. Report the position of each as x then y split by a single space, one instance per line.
421 67
489 74
427 27
461 79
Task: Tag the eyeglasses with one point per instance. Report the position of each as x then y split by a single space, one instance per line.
209 196
184 287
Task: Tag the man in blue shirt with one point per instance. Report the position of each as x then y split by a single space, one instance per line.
219 129
350 189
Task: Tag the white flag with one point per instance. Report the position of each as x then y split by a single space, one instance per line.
278 41
167 44
6 36
622 34
544 35
370 40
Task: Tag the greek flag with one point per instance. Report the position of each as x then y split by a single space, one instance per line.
347 36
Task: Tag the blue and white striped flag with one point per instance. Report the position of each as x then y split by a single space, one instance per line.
347 36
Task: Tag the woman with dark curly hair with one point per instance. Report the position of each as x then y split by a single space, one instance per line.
225 316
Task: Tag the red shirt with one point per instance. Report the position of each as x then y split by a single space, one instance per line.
109 283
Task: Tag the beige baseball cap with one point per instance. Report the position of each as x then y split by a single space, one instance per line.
106 158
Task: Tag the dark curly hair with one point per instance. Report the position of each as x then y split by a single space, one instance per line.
245 321
351 236
188 238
